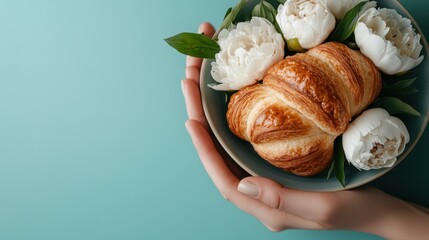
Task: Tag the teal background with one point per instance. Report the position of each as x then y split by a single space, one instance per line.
92 136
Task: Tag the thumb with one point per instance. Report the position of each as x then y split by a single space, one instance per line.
265 190
299 203
297 208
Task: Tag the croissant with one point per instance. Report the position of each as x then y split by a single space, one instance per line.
303 103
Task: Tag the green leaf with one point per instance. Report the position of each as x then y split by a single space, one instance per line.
281 1
337 166
405 91
230 17
331 169
339 160
265 10
227 13
347 25
396 106
399 85
400 88
194 44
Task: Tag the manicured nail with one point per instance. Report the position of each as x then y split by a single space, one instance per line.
248 188
200 29
183 87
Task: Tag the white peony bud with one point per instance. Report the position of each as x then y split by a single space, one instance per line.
389 40
247 51
374 139
308 21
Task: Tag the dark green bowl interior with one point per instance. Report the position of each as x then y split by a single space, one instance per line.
242 152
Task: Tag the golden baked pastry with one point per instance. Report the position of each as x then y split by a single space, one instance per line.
304 102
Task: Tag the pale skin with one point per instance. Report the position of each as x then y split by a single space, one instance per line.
364 209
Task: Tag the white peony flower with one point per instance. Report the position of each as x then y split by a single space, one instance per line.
308 21
339 7
247 51
374 139
389 40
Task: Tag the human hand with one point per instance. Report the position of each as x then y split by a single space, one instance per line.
278 208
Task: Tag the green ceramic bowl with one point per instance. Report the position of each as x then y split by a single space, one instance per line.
215 106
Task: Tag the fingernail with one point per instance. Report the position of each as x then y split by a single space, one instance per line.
182 83
200 29
248 188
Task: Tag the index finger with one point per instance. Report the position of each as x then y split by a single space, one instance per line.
227 183
193 64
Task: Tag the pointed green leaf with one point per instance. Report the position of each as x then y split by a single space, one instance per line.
405 91
337 165
265 10
230 17
399 85
396 106
339 160
194 44
331 169
347 25
227 13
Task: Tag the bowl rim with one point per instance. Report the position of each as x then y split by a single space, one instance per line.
377 175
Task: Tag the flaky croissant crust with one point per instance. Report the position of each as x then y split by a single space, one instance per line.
304 102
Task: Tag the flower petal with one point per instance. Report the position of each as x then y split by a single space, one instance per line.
401 49
374 140
309 21
247 51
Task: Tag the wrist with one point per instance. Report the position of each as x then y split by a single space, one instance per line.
403 221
